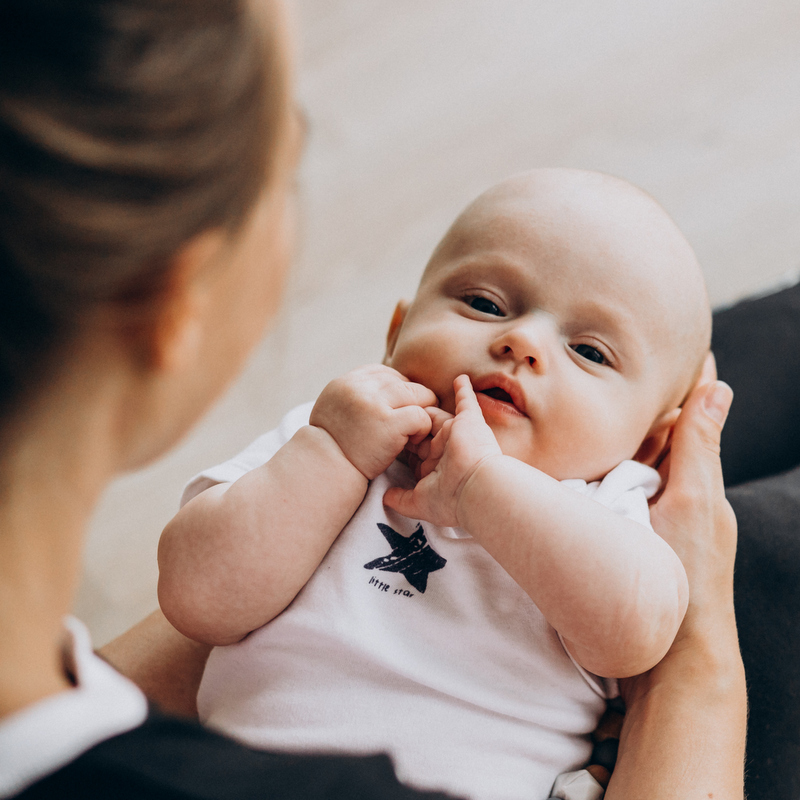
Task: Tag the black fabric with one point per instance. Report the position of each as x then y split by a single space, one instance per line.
757 346
767 596
172 759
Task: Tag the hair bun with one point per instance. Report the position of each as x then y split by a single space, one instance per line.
126 128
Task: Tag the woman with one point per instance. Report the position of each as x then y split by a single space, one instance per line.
146 159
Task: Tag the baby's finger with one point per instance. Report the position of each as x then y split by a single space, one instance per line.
420 450
402 501
413 422
413 463
406 392
438 417
439 442
466 400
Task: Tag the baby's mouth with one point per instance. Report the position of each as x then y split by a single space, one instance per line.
504 402
498 394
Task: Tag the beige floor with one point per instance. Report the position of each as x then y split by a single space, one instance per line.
417 105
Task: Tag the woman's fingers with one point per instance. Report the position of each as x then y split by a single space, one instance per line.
692 515
695 440
709 370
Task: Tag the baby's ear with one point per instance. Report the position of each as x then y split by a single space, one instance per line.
399 315
655 444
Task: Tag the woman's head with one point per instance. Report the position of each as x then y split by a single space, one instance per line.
128 128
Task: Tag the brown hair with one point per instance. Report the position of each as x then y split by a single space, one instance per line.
126 127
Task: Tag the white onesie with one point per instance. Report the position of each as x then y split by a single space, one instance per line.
410 639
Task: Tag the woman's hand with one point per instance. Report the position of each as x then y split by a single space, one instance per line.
684 731
694 517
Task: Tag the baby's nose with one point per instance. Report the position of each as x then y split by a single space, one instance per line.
526 342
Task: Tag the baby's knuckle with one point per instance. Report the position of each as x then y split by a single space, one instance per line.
421 414
339 387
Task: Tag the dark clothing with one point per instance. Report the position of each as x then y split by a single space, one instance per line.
767 597
757 346
171 759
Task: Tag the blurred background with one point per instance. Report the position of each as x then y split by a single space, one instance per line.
414 108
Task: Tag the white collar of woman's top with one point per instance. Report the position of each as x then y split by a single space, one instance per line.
46 736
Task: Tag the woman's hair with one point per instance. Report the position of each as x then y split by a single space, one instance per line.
126 127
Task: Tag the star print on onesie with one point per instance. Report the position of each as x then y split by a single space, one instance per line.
411 556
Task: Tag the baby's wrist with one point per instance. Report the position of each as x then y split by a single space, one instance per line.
470 494
324 445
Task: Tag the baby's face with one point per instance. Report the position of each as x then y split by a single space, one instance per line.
576 309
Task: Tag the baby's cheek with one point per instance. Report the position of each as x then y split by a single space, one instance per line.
413 361
604 447
578 451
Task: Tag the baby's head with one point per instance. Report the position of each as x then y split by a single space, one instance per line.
577 309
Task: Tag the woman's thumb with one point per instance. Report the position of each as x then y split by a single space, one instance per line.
717 402
699 426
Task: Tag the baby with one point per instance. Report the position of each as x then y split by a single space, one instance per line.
456 609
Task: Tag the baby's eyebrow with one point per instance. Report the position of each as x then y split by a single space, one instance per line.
618 323
495 265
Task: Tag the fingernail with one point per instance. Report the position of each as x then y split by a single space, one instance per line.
717 401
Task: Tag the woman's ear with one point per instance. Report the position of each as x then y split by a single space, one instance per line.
172 334
400 311
655 444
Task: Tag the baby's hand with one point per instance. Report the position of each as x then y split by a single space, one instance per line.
461 443
372 413
417 454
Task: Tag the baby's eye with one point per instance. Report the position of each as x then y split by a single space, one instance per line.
484 305
590 353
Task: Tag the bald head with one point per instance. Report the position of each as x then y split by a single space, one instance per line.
604 229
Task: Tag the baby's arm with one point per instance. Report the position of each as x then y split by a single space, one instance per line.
237 554
613 589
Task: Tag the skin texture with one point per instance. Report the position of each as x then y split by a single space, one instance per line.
537 277
540 267
125 391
